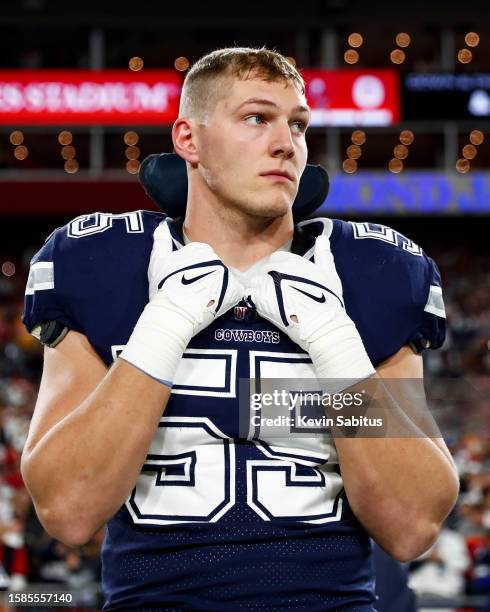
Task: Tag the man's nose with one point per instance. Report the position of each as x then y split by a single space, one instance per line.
281 144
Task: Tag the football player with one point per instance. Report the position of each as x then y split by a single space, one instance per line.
149 324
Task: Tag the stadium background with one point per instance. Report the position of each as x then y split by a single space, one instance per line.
436 191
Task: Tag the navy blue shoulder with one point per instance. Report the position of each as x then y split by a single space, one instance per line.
392 289
73 275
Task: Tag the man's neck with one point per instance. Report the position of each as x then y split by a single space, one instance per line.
239 239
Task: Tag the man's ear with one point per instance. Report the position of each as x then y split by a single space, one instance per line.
183 137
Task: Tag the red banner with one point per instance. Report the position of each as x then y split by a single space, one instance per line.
85 97
353 97
119 97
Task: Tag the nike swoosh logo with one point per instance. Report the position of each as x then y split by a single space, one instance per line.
313 297
189 281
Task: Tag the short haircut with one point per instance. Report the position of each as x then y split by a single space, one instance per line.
204 83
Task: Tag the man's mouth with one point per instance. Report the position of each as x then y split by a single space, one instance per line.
278 174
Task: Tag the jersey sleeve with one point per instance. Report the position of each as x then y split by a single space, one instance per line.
392 289
46 298
91 276
430 330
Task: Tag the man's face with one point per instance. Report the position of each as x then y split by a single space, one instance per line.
252 150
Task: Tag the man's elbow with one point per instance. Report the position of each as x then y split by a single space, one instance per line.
61 519
58 517
407 547
65 527
421 532
417 528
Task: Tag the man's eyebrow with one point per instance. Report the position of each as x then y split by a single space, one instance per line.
297 109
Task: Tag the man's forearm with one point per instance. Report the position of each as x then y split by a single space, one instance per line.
400 486
82 470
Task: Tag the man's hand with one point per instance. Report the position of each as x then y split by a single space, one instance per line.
192 288
304 300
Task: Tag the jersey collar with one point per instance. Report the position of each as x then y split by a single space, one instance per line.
304 236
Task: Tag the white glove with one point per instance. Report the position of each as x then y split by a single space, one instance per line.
305 301
193 287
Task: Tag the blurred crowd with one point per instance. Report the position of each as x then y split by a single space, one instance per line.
28 555
459 563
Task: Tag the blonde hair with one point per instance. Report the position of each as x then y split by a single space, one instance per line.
204 83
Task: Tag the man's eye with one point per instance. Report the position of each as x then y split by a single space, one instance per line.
255 119
299 127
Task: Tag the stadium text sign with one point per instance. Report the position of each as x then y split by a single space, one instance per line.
353 97
413 192
119 97
111 97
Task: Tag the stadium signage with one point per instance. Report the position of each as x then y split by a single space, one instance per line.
353 97
112 97
413 192
120 97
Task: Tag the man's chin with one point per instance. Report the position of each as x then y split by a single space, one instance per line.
270 209
270 212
